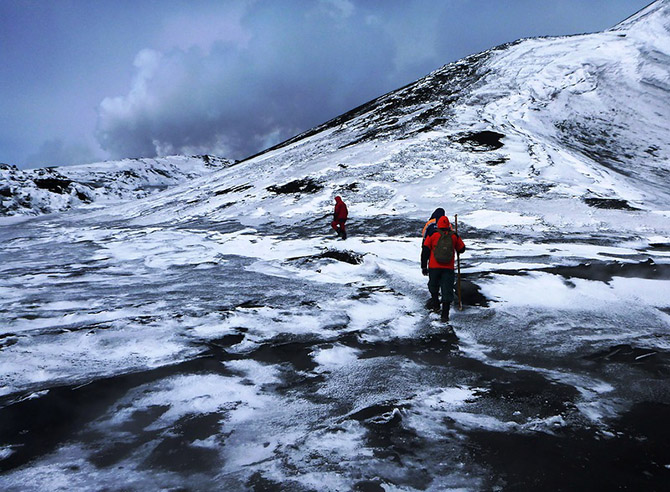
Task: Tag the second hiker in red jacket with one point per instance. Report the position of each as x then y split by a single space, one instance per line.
340 217
437 261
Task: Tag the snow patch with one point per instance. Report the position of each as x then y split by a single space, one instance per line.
336 356
495 219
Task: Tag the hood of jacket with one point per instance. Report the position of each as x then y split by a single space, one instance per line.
443 223
439 212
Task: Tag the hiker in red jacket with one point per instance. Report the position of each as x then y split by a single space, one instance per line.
429 229
437 261
340 217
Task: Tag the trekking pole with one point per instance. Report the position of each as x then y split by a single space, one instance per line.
458 261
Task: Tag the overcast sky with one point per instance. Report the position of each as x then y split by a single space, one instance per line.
84 80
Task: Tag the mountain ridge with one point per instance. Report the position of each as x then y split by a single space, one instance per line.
575 118
61 188
573 122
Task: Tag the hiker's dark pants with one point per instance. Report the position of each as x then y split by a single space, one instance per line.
441 278
338 225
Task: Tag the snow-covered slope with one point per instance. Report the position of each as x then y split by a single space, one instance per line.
216 335
539 127
55 189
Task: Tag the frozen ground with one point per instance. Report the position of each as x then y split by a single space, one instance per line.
217 336
215 355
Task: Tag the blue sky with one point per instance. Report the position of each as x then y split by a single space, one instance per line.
83 80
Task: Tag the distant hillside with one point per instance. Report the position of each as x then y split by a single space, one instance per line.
56 189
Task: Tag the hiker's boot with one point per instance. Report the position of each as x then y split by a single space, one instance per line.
435 301
445 312
344 234
431 303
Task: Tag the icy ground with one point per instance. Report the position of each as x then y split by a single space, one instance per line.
216 336
219 356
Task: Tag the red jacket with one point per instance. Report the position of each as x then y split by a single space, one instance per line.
431 241
341 211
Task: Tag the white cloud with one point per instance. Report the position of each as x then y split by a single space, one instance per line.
289 73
